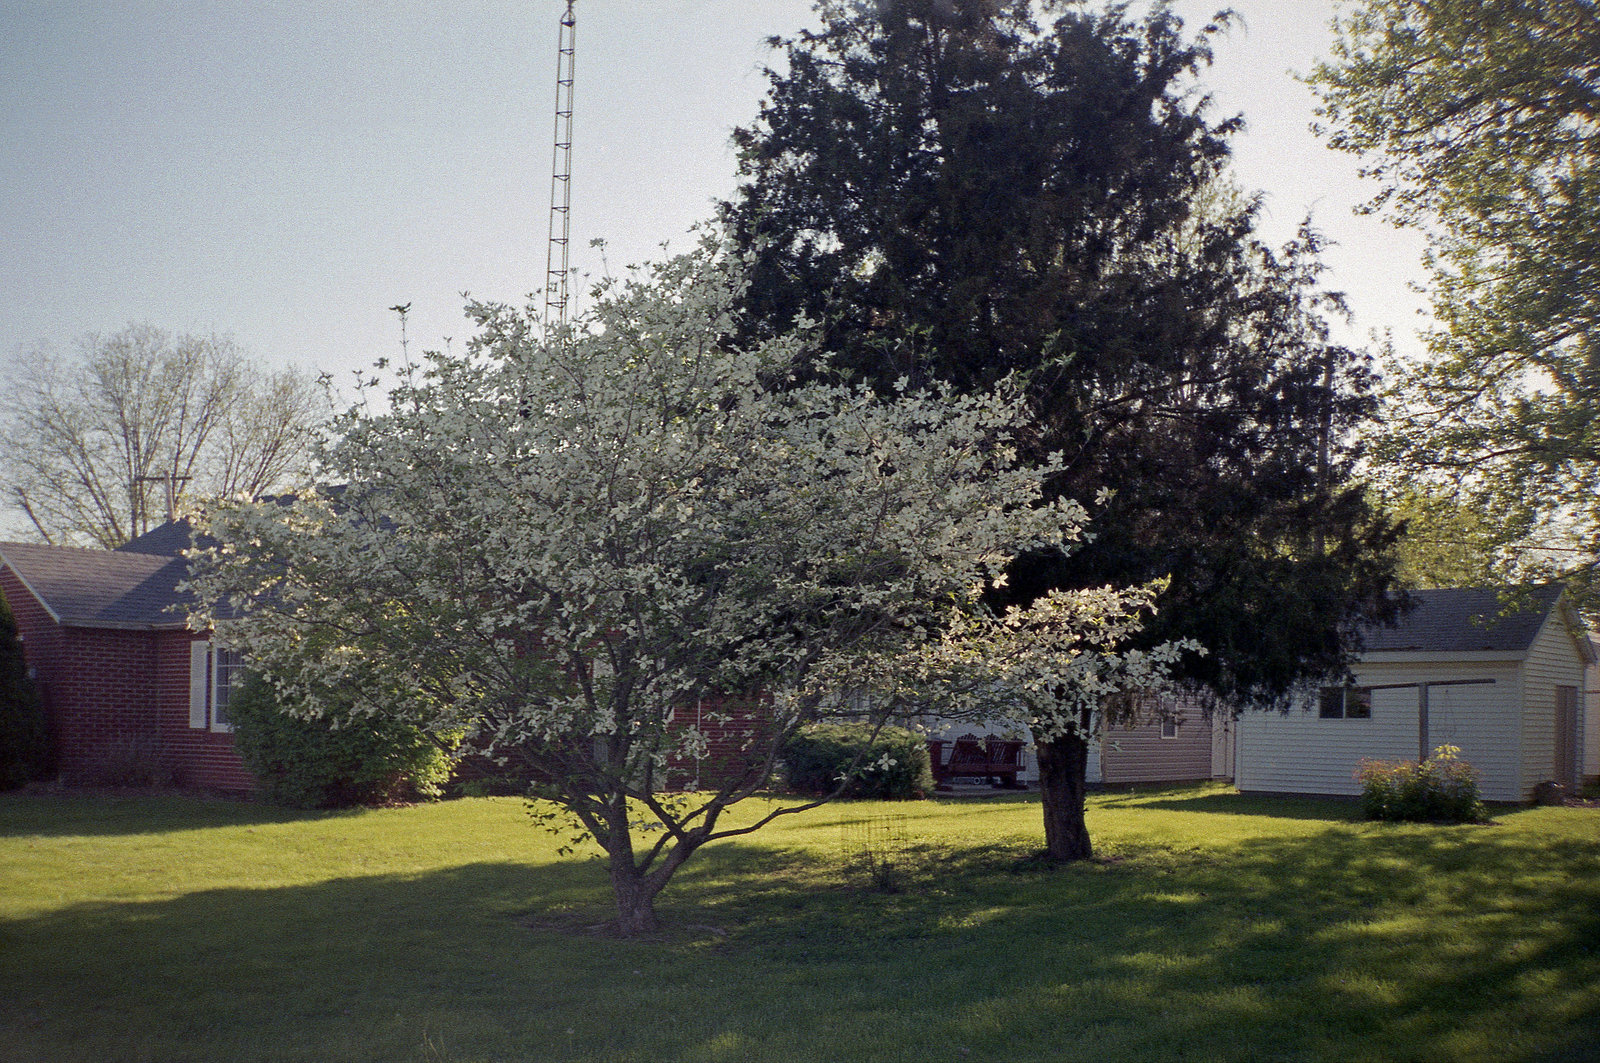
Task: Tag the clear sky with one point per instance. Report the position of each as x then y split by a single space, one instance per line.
286 170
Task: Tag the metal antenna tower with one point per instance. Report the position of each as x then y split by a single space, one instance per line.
556 260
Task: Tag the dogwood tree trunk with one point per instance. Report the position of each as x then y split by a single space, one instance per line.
1063 772
634 886
636 897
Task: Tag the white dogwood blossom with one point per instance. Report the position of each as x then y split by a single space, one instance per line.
570 546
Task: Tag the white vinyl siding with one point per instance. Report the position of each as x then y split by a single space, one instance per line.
1222 745
1482 715
1303 753
1482 720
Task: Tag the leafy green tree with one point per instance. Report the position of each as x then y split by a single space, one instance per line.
1482 121
26 750
565 546
1449 541
959 192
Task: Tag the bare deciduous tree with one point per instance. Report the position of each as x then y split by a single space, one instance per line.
104 439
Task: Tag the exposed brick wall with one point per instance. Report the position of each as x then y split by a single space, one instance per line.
201 758
42 645
104 706
119 701
733 744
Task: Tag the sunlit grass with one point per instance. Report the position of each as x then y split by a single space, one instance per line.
1212 927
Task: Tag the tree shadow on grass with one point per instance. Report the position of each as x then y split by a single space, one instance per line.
1274 806
93 814
1350 944
1421 944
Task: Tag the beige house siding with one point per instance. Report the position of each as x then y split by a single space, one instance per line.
1141 754
1121 755
1591 717
1591 733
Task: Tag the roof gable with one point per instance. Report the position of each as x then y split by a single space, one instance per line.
101 588
169 539
1467 620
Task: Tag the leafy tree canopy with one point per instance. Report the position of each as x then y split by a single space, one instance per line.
961 192
565 546
1448 542
958 192
1482 121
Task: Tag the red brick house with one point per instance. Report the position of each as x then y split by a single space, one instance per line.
131 692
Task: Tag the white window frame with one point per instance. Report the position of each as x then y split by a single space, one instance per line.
213 671
1169 728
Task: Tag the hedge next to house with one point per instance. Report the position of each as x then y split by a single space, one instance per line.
26 751
893 766
333 761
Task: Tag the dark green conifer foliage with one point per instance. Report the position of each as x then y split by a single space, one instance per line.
957 192
26 750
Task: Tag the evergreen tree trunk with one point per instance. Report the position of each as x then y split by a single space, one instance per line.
1063 770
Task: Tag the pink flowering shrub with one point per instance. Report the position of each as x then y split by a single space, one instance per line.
1441 789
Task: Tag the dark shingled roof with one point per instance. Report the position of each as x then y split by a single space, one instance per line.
101 588
169 540
1468 619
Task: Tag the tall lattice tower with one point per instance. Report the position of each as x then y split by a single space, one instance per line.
557 259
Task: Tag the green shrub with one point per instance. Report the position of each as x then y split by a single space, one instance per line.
894 768
335 761
1441 789
26 749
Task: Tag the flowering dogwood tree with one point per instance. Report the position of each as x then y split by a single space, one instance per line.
563 544
1061 666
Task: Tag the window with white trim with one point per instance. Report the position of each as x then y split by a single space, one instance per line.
213 673
1169 728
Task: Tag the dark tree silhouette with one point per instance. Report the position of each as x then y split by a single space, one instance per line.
957 192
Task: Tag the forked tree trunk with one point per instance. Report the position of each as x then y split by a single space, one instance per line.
636 898
636 890
1063 771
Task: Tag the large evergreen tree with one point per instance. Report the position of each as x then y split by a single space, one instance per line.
959 192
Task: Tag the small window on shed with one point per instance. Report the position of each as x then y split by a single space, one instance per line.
1169 728
1345 703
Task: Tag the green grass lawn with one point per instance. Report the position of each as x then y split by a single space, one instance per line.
1213 927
